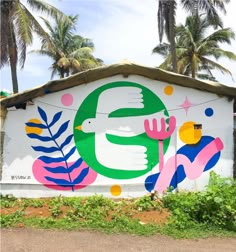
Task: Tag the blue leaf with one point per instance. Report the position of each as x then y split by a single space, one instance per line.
67 141
76 164
43 114
49 160
62 169
81 176
59 169
45 149
41 138
60 182
56 117
63 128
36 125
67 156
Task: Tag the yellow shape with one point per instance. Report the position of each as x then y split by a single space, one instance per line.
115 190
168 90
33 130
188 134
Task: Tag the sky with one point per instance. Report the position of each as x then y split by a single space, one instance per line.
121 30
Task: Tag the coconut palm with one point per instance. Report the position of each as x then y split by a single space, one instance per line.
166 18
195 50
70 53
17 27
208 7
166 21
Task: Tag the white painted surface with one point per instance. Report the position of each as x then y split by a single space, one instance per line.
18 158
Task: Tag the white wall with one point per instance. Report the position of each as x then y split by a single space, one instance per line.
120 154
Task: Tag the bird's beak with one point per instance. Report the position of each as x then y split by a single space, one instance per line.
78 127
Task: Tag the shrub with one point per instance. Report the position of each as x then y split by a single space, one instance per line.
215 206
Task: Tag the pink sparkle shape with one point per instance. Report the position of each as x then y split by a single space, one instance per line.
186 105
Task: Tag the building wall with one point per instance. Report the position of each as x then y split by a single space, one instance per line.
121 137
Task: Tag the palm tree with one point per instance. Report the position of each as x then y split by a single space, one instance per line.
195 49
166 18
17 27
70 53
208 7
166 21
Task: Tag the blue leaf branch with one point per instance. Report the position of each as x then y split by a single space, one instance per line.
66 169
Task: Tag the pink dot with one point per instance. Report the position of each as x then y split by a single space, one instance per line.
67 99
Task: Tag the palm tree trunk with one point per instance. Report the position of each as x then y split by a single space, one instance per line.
13 58
61 73
14 76
172 35
193 68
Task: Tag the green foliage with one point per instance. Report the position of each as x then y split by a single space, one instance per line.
7 201
91 209
55 206
216 206
11 219
193 214
36 203
146 203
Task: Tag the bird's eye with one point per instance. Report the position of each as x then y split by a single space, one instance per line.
89 122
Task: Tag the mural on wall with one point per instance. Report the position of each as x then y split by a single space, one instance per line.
121 130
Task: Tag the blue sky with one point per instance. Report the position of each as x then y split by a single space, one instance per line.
120 29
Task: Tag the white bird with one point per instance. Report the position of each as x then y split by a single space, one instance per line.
112 155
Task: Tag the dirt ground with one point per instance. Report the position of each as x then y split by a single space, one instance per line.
158 217
35 240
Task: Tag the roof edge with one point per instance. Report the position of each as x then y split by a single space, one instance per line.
126 69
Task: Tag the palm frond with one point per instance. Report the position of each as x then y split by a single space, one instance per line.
162 49
216 65
43 7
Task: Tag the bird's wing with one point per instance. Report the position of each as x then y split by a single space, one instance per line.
121 157
118 98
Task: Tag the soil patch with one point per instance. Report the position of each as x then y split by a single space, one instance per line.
153 216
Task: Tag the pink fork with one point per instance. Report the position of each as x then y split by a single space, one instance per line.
160 135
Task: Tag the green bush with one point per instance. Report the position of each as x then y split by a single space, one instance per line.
215 206
146 203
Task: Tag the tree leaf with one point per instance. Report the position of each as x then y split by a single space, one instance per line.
42 114
41 138
59 169
56 117
36 125
45 149
60 182
67 156
67 141
63 128
76 164
81 176
49 160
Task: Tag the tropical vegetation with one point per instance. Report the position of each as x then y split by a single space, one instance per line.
18 25
70 53
196 48
166 15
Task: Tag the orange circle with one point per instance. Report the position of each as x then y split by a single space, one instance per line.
115 190
33 130
188 134
168 90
